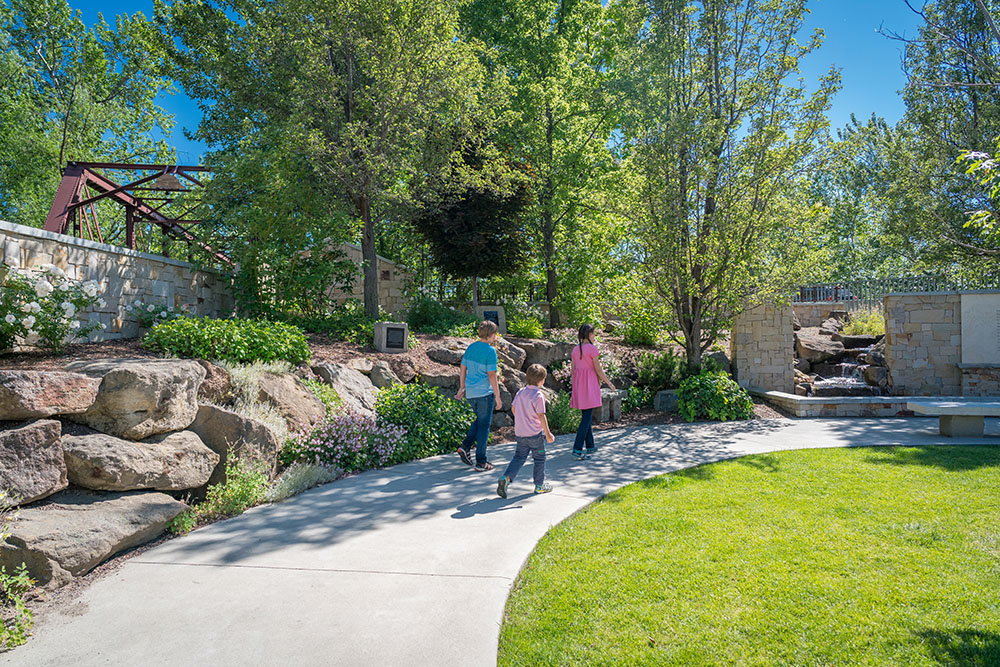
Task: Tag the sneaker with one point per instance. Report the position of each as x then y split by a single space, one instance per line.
544 487
578 454
464 455
482 467
502 486
590 452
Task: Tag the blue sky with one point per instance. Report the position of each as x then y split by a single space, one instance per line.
869 62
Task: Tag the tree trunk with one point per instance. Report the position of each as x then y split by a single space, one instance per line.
549 252
369 259
475 293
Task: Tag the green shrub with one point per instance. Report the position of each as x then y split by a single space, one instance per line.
713 396
349 441
425 315
637 398
661 370
327 394
525 327
234 340
347 322
183 523
434 424
41 307
640 326
866 322
562 418
245 486
15 617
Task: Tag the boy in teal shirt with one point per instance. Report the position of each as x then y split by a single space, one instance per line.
477 383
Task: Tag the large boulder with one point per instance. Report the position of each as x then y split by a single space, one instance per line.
353 387
854 342
404 368
78 531
142 398
721 359
217 387
382 376
513 380
31 460
510 355
876 376
831 326
542 352
448 351
229 434
501 420
292 399
445 379
171 462
506 398
361 364
816 348
33 394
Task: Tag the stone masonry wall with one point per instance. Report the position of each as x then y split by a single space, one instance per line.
392 283
124 276
813 313
762 347
924 343
981 381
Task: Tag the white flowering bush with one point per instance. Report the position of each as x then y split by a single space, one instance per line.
41 307
149 314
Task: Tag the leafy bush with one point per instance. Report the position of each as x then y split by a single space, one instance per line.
327 394
15 617
640 326
866 322
637 398
347 322
149 314
713 396
235 340
562 418
434 424
661 370
41 307
245 486
524 327
426 315
183 523
562 372
297 478
349 441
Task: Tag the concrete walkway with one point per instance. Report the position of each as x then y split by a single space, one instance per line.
406 566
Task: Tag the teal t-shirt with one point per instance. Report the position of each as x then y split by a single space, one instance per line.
479 359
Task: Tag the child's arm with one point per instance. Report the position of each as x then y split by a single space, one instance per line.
545 427
462 370
600 373
492 375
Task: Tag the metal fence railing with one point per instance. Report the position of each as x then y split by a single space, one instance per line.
868 293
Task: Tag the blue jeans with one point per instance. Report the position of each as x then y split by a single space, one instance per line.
535 444
480 429
585 433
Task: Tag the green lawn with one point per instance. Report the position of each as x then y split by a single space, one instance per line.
883 556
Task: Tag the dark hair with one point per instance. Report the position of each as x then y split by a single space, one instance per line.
584 336
535 373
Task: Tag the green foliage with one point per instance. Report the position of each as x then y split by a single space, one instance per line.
245 486
425 315
149 314
661 370
234 340
15 617
713 396
562 418
524 327
324 392
41 307
434 424
348 441
183 523
640 326
637 398
866 322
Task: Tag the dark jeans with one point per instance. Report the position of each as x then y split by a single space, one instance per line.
585 433
535 444
479 432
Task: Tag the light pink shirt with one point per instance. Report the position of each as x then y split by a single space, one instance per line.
527 405
586 386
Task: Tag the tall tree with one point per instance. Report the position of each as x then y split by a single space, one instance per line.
69 92
553 52
717 139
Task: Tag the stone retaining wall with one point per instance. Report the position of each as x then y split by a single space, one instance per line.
761 348
813 313
124 276
837 406
392 283
924 343
980 380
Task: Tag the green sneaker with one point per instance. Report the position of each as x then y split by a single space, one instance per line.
544 487
502 486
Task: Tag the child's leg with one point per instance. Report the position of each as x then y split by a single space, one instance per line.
581 433
538 456
484 418
470 436
520 456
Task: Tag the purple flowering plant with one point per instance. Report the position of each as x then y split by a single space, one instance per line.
349 441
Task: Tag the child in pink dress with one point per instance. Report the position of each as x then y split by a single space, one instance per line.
587 378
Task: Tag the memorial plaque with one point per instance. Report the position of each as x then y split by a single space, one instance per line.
493 314
395 338
981 328
391 337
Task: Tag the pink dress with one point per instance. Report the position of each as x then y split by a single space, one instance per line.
586 387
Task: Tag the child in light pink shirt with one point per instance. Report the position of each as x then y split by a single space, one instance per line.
531 430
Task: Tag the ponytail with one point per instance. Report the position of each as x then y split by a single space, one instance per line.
586 330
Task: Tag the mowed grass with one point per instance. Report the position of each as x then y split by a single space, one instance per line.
868 556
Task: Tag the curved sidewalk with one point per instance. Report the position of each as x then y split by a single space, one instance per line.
405 566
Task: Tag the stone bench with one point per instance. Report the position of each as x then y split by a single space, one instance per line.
958 418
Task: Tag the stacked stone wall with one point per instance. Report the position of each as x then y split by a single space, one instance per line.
981 381
813 313
761 348
392 283
124 275
924 343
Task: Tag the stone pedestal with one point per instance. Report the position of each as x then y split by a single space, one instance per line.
495 314
392 337
611 406
956 426
665 400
